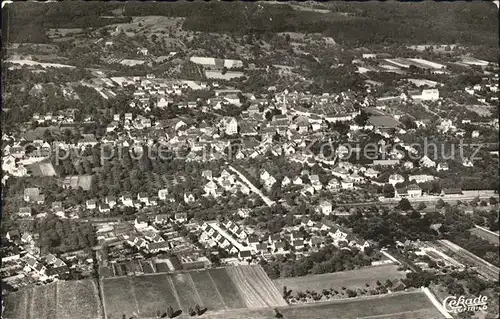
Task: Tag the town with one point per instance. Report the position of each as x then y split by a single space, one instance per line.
154 169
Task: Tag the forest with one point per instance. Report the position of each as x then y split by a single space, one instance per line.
349 23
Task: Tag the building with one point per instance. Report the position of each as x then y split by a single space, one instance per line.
396 179
427 162
230 125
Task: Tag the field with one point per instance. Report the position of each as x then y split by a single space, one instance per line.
350 279
78 297
44 65
405 305
43 169
216 289
467 258
227 76
61 300
255 287
83 181
481 110
486 235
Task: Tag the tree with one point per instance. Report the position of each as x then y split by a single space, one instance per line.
224 70
361 119
440 204
191 312
170 312
198 309
404 204
277 313
421 206
388 283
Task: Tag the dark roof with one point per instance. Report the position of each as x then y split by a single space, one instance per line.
452 191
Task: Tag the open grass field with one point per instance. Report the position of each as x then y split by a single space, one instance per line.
352 279
61 300
216 289
406 305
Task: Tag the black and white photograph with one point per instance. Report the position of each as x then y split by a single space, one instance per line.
250 159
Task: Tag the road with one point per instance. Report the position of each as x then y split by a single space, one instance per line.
252 187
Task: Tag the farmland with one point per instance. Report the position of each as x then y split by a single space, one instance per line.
78 297
61 300
43 169
255 287
350 279
465 257
215 289
406 305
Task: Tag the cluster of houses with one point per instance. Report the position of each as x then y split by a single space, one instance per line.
29 263
226 182
66 116
147 238
239 240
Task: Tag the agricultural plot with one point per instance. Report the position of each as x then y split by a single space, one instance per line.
61 300
119 298
481 110
352 279
216 289
78 299
153 293
209 295
413 305
43 169
227 288
255 287
43 303
186 292
16 304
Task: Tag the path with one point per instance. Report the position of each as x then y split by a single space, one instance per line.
254 189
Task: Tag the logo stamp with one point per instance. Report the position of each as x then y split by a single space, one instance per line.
453 304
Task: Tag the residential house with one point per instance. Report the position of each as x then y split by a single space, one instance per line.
396 179
467 163
163 193
325 207
24 212
371 173
427 162
143 198
104 208
421 178
91 204
110 200
451 192
141 222
33 195
127 200
180 217
347 184
230 125
442 166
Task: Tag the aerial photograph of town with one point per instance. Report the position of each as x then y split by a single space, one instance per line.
259 159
